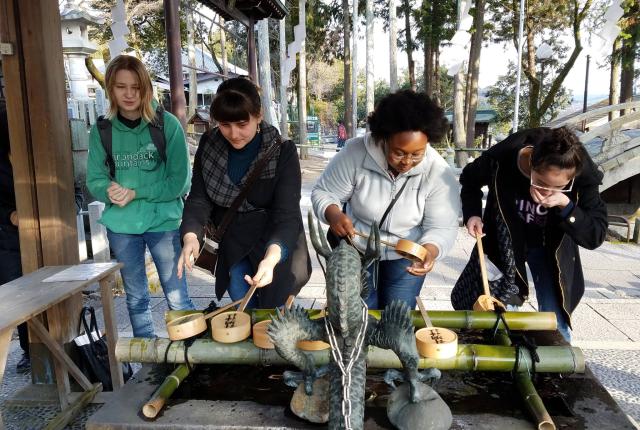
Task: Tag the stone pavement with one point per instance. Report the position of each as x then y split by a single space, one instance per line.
607 322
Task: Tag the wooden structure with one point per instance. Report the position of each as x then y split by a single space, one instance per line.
31 298
32 62
200 121
484 118
247 12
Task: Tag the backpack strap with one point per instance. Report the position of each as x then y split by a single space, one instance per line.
156 130
104 128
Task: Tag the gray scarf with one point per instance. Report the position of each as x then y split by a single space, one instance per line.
215 156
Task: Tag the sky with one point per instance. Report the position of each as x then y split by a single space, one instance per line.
493 63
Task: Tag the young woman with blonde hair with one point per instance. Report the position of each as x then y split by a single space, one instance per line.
142 182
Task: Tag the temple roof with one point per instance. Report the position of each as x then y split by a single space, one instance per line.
256 9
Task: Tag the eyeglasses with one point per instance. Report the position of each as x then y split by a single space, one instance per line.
413 158
566 189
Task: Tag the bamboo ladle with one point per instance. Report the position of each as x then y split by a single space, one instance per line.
485 302
191 325
260 335
435 342
406 248
233 326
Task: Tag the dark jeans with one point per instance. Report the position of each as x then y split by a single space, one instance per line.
394 283
548 299
10 269
238 287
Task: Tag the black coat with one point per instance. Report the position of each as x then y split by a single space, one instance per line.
586 225
276 218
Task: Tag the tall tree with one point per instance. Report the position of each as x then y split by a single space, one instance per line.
408 41
393 47
369 56
348 112
471 97
546 19
614 77
191 50
630 24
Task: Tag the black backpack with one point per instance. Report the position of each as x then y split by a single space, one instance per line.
156 129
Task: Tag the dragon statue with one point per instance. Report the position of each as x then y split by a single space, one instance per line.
349 330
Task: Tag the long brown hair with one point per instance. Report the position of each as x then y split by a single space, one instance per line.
135 66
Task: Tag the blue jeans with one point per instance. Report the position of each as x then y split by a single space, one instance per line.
165 249
548 297
394 283
238 287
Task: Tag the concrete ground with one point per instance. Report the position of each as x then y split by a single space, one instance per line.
607 322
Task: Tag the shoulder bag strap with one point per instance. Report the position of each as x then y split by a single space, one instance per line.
393 202
253 175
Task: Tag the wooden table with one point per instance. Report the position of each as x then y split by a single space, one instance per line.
27 297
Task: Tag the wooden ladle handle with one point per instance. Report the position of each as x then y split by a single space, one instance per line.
423 312
289 301
384 242
222 309
483 267
247 297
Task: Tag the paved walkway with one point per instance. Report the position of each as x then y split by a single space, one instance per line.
607 322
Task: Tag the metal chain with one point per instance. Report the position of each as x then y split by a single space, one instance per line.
346 371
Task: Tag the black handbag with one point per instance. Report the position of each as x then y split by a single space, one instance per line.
93 354
208 258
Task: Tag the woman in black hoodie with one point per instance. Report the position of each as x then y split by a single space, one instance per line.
543 187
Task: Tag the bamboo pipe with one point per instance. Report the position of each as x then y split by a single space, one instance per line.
159 397
518 321
529 395
489 358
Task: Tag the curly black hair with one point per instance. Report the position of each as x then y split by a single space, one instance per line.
407 110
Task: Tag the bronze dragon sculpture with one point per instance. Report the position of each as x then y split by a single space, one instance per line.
349 330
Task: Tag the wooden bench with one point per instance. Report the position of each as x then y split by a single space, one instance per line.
27 297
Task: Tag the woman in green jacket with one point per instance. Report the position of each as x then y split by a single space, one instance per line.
142 180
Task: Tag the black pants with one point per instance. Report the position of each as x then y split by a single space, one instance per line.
10 269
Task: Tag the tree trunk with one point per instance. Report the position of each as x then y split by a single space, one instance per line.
193 77
348 113
393 48
409 38
474 73
93 70
629 50
370 75
459 135
354 69
264 69
614 79
284 125
223 48
428 68
302 87
436 76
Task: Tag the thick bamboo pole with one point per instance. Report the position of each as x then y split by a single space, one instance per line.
159 397
450 319
529 395
478 357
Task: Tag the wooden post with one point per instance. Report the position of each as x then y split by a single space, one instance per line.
636 231
41 152
174 50
251 50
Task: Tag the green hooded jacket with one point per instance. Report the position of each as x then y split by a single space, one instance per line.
159 187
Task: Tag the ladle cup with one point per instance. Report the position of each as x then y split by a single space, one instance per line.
234 326
260 335
187 326
485 302
435 342
406 248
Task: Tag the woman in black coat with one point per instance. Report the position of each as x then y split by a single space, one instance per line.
543 187
265 243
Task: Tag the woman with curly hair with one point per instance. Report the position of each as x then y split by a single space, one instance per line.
394 161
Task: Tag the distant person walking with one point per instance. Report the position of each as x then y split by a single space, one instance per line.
342 134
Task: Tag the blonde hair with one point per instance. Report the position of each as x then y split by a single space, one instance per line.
132 64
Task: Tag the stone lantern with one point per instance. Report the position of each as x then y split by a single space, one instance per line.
76 47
